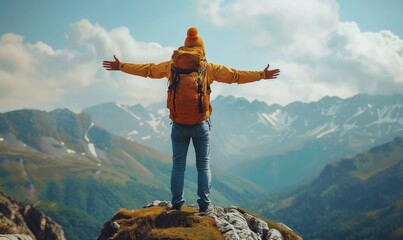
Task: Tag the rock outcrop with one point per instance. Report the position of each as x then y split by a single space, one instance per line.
15 237
19 221
156 221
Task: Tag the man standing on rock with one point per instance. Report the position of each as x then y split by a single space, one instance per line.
189 77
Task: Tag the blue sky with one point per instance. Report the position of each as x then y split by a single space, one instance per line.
51 51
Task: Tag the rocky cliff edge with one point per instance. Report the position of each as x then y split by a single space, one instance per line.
18 221
154 221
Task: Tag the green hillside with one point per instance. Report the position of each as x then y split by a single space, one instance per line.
80 174
354 198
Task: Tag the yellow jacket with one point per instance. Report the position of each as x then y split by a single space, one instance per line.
213 72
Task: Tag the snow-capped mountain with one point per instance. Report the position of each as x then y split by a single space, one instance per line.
298 140
242 131
149 126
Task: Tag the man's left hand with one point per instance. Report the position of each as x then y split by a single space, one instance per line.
271 74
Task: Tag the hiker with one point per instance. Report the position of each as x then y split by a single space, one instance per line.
189 78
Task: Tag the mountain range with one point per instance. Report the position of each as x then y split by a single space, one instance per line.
80 168
360 197
79 173
271 145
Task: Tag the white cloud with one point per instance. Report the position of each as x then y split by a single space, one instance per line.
289 26
37 76
318 55
20 79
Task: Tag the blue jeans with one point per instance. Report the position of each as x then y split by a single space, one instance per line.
180 136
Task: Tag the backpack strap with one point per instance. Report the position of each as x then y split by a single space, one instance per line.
200 73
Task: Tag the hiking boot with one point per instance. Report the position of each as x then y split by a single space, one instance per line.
174 207
206 209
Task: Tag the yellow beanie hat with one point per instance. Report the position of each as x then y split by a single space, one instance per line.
192 39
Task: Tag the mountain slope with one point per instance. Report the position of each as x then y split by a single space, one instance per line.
76 171
146 126
354 198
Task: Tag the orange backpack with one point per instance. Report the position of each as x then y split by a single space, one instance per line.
188 90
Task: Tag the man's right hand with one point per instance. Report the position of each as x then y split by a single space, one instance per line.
112 65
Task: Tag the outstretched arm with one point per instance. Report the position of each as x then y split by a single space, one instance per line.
112 65
224 74
150 70
271 74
